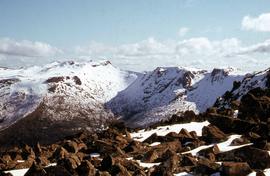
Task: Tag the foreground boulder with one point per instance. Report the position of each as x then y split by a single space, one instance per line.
212 134
256 158
235 169
255 105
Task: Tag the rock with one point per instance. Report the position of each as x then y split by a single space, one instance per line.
86 169
240 141
187 160
60 153
131 165
185 134
231 125
57 171
235 168
212 134
139 173
256 158
15 154
42 161
188 116
6 158
235 104
5 174
153 138
103 174
119 170
118 125
28 153
70 163
35 170
80 155
175 146
260 173
120 152
77 80
71 146
106 163
25 164
160 171
167 155
38 149
170 163
7 165
206 167
150 156
96 162
209 153
193 134
255 106
103 146
133 146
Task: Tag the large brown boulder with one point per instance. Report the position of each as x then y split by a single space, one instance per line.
255 105
57 171
212 134
256 158
106 163
235 168
86 169
154 138
70 163
71 146
35 170
233 125
206 167
119 170
150 156
210 152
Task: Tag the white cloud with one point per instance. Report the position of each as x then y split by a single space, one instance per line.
260 23
194 52
260 48
146 54
26 48
183 31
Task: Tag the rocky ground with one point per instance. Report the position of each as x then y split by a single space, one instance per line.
234 142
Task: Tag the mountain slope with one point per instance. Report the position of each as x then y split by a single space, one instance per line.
158 94
67 93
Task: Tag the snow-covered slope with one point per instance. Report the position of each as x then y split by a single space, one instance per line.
76 95
57 92
250 81
165 91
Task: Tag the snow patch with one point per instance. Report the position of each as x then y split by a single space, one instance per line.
164 130
223 146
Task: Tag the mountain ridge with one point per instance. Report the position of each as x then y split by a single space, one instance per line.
89 94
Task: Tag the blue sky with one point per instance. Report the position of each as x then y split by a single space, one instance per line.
66 25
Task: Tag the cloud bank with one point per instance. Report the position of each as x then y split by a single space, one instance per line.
260 23
26 48
20 53
148 54
194 52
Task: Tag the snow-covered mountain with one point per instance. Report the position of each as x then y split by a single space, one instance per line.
65 97
165 91
67 93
